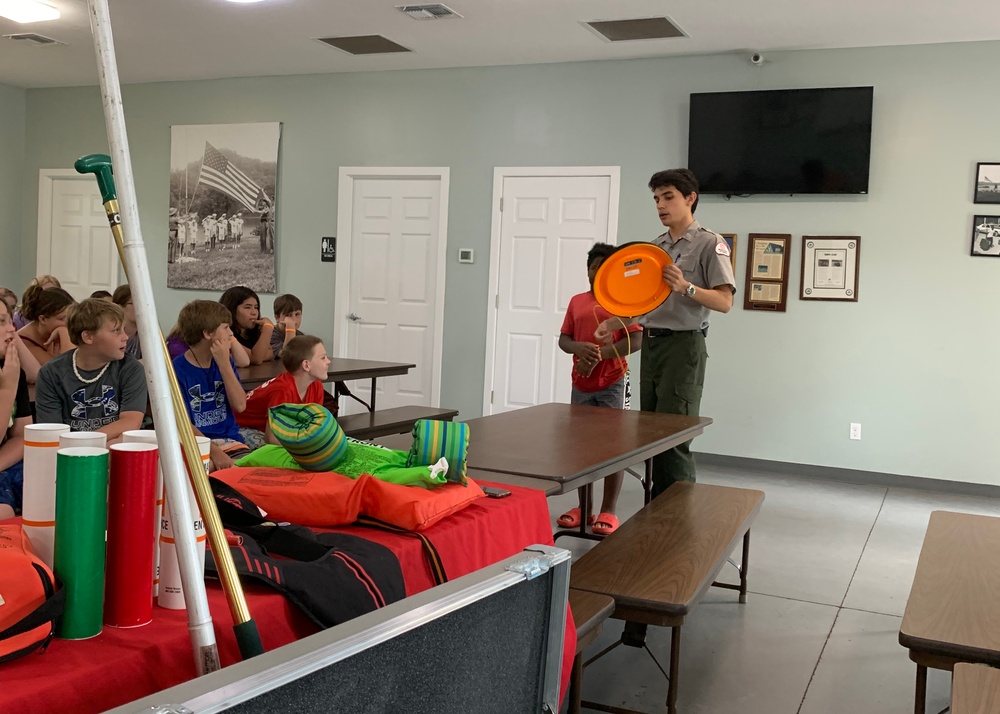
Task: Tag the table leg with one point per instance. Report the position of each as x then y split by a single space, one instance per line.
647 483
744 567
576 685
588 496
920 698
675 666
372 410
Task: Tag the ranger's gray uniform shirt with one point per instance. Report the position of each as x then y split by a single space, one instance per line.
703 257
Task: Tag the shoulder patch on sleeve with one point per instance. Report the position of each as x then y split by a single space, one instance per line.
721 248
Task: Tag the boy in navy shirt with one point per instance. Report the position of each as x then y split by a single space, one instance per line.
207 377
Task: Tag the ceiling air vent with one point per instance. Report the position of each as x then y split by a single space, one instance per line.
364 44
431 11
647 28
34 39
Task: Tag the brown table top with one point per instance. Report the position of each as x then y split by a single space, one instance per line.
688 531
570 443
975 689
402 442
341 369
952 611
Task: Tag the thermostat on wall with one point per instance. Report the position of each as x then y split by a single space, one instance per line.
465 255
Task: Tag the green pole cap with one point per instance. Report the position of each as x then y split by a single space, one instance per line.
99 165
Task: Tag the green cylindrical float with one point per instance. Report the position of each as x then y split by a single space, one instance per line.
81 522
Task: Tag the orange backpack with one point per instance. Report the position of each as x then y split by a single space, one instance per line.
29 600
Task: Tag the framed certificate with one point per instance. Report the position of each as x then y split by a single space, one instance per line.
767 272
830 268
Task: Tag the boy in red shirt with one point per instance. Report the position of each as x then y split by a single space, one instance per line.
306 363
598 376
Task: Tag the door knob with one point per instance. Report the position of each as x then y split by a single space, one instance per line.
353 317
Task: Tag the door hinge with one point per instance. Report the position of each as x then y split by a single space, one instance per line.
496 301
491 396
501 204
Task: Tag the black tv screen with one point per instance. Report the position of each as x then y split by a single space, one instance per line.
781 141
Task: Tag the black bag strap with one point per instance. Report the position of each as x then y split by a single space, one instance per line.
45 613
433 557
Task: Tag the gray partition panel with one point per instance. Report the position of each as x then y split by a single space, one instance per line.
489 643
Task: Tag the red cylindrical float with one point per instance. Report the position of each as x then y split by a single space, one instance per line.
128 599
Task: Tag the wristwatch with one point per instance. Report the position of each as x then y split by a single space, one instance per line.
691 290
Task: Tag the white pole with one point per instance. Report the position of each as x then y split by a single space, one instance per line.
174 474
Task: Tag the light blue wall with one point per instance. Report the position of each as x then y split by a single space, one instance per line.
914 361
12 108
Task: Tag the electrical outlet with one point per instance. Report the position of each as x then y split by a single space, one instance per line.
855 431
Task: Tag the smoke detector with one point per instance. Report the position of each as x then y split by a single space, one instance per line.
33 38
430 11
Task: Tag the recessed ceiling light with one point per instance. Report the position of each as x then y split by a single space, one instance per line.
25 11
246 1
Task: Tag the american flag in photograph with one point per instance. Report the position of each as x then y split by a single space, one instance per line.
220 173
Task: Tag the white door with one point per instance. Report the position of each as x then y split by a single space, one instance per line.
74 237
394 305
547 226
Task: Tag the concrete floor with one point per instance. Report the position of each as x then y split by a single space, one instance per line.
831 566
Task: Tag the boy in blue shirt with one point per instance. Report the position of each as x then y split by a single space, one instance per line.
207 377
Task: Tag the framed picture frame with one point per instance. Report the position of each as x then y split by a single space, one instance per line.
986 236
987 188
730 239
830 268
767 272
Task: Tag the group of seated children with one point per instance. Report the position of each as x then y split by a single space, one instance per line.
97 383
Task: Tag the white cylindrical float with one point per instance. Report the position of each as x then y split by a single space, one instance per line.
170 594
90 439
38 509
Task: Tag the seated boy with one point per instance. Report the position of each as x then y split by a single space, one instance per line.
95 387
305 361
287 321
15 413
207 378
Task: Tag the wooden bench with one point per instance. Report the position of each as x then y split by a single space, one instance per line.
590 610
975 689
951 614
397 420
658 565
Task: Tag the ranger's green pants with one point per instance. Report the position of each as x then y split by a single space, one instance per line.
671 382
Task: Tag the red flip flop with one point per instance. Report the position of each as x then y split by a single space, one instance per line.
606 524
571 519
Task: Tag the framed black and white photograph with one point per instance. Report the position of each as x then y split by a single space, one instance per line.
987 183
986 236
221 228
830 268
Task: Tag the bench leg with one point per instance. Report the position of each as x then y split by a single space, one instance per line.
675 666
744 567
576 685
920 697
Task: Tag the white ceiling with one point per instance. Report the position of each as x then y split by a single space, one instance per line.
162 40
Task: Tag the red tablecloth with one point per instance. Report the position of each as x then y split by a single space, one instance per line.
122 665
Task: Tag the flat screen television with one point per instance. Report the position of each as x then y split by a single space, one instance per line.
781 141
